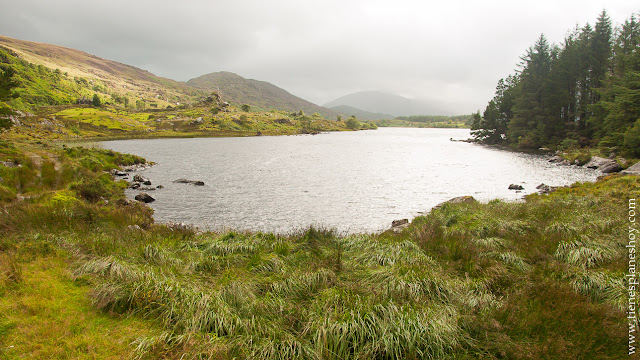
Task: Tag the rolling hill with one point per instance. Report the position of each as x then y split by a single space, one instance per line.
381 102
260 94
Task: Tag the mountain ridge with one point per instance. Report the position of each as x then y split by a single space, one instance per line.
258 93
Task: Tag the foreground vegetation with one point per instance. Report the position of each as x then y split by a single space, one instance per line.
539 279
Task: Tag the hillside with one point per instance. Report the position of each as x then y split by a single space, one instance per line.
381 102
346 110
260 94
106 76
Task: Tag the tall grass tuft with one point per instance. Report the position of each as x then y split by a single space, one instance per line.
602 287
584 253
347 326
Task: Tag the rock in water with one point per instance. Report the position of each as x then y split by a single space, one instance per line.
145 198
516 187
139 178
192 182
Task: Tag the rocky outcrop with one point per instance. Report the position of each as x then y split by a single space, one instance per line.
192 182
632 170
604 165
145 198
516 187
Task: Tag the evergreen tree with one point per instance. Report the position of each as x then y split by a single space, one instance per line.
619 106
532 123
491 128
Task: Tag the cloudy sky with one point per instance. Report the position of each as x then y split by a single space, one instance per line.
450 51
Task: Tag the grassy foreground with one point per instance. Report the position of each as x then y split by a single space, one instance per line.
86 274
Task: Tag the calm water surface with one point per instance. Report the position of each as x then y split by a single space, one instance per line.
350 181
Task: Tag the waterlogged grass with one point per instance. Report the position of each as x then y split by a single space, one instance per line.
81 277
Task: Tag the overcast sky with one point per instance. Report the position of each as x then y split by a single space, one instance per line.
451 51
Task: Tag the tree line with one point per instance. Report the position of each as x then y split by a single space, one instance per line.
583 92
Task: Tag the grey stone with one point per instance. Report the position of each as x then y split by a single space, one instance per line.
145 198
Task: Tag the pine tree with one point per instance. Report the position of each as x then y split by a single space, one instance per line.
532 124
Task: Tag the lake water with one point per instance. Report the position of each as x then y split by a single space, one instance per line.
351 181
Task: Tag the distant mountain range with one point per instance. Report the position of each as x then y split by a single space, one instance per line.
384 103
346 111
260 94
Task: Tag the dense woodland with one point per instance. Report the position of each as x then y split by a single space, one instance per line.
583 92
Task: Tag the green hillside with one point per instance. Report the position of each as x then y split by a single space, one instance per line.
109 78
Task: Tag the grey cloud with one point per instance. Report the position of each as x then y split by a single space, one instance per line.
451 52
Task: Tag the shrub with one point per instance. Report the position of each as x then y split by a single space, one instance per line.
96 100
92 190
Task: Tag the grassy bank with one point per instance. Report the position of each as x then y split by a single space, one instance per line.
84 273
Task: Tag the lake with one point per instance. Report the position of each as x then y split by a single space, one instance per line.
350 181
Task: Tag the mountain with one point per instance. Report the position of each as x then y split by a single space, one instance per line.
260 94
380 102
105 74
346 111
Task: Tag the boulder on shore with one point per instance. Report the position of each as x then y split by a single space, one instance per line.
145 198
401 222
546 189
116 172
398 225
604 165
